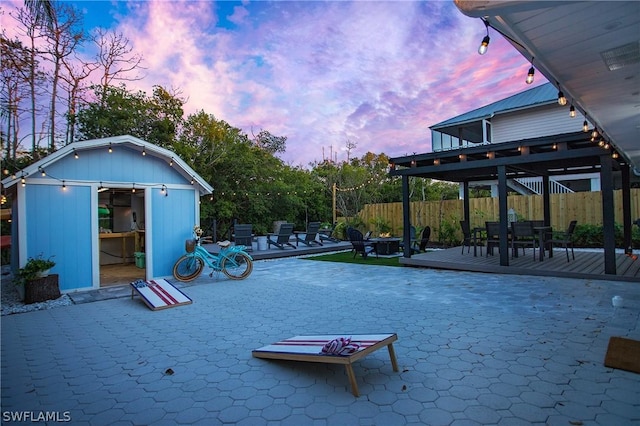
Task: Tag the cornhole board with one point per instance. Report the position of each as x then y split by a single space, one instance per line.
159 294
623 354
307 349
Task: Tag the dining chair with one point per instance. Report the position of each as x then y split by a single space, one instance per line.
522 235
564 239
493 236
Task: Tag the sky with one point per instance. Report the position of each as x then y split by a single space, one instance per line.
376 74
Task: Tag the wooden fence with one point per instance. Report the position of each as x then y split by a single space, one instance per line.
585 207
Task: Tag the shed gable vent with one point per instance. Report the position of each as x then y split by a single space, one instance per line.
621 56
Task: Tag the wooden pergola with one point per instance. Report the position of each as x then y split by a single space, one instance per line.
545 156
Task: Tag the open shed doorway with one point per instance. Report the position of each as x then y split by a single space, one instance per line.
121 228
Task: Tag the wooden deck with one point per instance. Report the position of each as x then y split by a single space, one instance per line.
587 265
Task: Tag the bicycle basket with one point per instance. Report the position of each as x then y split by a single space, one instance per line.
190 245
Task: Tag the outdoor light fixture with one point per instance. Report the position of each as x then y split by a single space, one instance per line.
133 189
144 152
75 154
164 191
585 126
485 41
42 172
594 134
64 186
561 99
193 180
615 154
531 74
171 162
110 149
572 111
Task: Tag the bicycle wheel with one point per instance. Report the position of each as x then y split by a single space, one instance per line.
237 266
187 268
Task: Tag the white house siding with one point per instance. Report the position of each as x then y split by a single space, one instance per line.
59 225
532 123
172 219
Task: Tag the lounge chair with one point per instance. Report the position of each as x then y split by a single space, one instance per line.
328 236
243 235
281 239
310 235
359 244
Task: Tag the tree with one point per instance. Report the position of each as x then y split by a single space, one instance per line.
117 111
63 35
270 143
115 58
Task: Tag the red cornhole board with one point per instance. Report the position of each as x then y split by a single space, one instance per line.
307 348
159 294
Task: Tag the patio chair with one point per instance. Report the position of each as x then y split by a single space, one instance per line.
413 241
328 236
309 235
564 239
466 235
493 236
424 240
522 235
359 244
243 235
281 239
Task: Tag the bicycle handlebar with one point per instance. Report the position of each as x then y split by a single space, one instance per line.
206 240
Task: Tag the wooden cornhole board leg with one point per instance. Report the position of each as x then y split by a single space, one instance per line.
307 349
159 294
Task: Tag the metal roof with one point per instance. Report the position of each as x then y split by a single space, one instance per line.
541 95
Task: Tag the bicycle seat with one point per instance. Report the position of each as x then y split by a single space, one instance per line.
224 244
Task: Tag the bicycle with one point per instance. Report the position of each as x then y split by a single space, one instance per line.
233 261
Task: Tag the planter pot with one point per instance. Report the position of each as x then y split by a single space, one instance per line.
20 290
44 273
42 289
262 242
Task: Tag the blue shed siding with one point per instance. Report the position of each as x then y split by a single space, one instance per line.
59 225
123 165
173 218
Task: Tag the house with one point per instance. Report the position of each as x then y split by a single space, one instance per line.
528 114
104 202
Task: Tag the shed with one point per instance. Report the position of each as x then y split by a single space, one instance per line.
102 202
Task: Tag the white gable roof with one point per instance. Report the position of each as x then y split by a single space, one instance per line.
131 142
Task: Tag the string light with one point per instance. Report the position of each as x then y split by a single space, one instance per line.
144 152
64 186
110 148
193 180
42 172
171 162
585 125
561 99
133 189
484 45
572 111
75 154
531 74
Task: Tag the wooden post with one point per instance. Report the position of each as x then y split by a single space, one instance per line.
334 203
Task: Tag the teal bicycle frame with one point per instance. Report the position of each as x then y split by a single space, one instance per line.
233 261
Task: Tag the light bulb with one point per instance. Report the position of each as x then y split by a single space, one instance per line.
585 126
572 111
484 45
561 99
530 76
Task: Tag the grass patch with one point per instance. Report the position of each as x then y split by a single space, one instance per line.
347 257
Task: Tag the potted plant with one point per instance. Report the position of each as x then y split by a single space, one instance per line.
34 281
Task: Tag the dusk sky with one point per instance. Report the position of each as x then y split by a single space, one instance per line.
320 73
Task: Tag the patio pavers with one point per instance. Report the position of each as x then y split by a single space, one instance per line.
472 349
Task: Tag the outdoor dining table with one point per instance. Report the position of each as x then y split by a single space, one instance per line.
542 231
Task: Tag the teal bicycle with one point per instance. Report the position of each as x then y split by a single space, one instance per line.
232 260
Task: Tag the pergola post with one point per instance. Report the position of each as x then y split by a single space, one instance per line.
406 217
608 220
626 209
502 209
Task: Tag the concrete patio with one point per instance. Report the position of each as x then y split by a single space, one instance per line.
472 348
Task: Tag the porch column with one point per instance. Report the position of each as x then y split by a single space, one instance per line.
465 201
502 210
546 202
626 208
406 217
608 220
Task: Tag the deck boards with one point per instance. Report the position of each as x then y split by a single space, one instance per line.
587 264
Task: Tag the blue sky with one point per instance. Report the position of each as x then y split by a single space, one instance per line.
321 73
